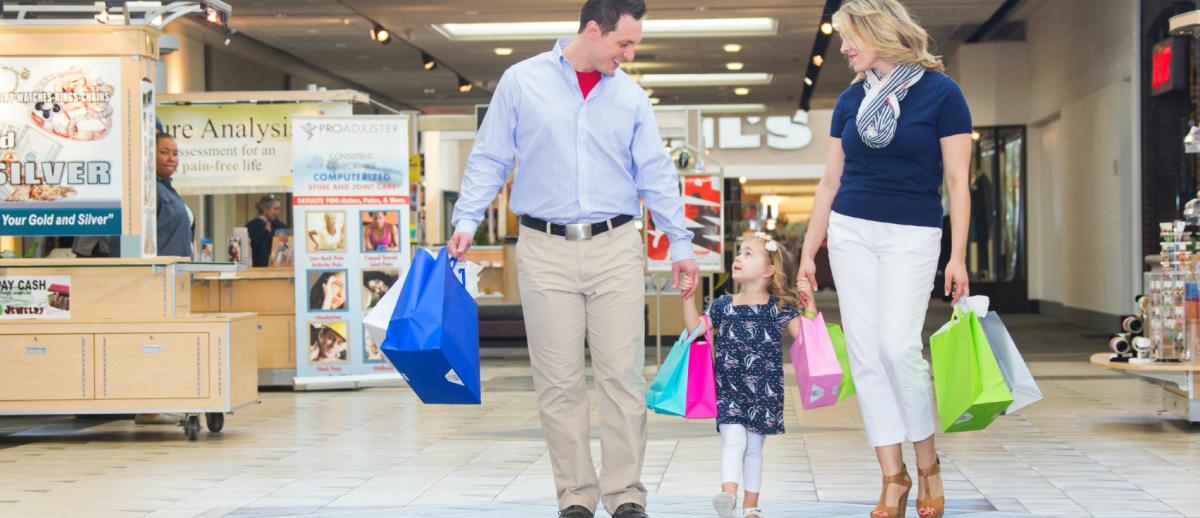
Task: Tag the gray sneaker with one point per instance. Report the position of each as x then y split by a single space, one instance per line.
725 504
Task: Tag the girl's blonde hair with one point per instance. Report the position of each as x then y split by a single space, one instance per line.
779 286
886 27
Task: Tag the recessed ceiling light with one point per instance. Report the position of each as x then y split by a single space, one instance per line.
733 48
722 79
741 91
698 28
655 100
734 66
818 60
649 92
808 81
503 51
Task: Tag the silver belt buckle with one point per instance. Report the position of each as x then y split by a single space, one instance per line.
579 231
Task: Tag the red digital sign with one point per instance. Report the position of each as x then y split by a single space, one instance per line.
1160 65
1168 66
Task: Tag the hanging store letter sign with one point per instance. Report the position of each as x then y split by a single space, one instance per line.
782 132
35 298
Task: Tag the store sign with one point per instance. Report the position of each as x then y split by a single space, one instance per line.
35 298
351 217
237 147
60 146
782 132
702 208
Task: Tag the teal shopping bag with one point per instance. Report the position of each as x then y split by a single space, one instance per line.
667 394
970 388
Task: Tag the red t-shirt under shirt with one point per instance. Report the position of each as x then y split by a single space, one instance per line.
587 81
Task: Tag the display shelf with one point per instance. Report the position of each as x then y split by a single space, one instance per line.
1179 382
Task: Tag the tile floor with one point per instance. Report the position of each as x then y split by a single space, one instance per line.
1095 447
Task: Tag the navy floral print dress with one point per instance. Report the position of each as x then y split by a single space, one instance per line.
749 363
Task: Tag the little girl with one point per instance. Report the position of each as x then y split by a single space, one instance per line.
749 365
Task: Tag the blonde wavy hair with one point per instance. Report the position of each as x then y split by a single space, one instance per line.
886 27
780 285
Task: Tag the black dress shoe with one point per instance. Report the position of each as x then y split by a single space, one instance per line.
630 510
576 511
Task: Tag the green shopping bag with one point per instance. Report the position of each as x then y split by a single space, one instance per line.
970 388
846 389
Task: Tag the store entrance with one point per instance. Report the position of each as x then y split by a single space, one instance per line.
996 248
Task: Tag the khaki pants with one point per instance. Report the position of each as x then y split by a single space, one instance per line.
594 289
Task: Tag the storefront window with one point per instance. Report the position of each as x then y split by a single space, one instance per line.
995 246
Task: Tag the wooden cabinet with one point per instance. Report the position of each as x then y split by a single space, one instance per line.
262 296
276 342
46 367
163 365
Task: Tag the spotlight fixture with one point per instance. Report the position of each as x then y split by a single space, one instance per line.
975 135
464 86
826 28
649 92
733 48
808 81
214 12
381 35
741 91
734 66
229 32
818 60
655 100
427 61
504 51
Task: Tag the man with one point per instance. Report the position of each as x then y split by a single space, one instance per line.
589 148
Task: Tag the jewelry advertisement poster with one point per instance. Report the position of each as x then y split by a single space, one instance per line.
60 146
350 204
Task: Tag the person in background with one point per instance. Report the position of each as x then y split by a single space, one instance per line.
176 222
262 230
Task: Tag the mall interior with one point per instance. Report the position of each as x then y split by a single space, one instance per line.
223 356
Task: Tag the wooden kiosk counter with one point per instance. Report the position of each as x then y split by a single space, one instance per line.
267 292
129 345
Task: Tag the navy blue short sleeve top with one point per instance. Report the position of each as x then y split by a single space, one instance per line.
899 183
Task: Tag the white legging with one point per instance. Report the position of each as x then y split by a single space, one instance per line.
741 449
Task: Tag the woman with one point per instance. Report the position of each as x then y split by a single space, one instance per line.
262 230
897 132
175 219
330 238
329 292
378 235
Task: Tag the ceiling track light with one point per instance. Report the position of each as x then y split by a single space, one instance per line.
381 34
229 32
826 28
427 61
464 86
818 60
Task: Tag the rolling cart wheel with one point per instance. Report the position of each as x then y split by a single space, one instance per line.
191 427
216 421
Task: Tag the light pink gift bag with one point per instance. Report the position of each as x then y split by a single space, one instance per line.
818 372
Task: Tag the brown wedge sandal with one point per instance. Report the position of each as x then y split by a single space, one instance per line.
894 511
924 501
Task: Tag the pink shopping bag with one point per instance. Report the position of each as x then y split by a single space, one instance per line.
702 385
818 372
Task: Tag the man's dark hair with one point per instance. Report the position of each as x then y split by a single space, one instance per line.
606 13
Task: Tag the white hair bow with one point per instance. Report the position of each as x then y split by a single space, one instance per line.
768 241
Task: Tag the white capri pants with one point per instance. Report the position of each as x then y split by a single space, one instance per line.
741 448
884 274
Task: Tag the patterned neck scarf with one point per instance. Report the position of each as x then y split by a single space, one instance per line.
880 108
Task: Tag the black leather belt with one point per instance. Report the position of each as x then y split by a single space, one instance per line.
576 231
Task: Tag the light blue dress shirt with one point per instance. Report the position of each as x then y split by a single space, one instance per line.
582 161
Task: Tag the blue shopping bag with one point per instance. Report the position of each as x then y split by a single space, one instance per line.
433 335
667 394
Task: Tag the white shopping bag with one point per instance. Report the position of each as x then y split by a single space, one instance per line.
376 321
1016 374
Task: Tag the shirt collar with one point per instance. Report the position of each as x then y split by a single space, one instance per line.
562 58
